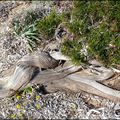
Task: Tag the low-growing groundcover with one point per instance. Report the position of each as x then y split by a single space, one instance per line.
97 24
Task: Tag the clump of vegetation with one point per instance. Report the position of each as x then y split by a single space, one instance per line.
27 30
35 25
98 22
48 24
72 49
28 90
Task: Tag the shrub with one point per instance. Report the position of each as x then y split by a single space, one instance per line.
72 49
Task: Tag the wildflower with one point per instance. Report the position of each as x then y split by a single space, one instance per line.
37 97
18 96
18 106
37 105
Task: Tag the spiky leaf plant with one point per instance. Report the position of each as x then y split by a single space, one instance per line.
28 30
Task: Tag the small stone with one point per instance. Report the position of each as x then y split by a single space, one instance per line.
73 106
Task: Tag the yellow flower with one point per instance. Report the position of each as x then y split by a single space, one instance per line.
18 96
37 97
37 105
18 106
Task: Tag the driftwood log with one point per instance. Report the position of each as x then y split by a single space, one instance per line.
49 70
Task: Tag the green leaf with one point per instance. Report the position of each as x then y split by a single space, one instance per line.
28 90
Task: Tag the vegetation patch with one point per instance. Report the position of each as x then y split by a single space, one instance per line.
72 49
93 23
36 28
27 30
48 24
98 24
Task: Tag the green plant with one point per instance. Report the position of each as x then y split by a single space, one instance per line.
98 22
28 30
30 33
72 49
27 90
48 24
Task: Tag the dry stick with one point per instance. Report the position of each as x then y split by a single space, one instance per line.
21 76
24 71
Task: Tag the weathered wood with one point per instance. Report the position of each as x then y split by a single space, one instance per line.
75 83
55 77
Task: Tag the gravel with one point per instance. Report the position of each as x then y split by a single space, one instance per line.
39 105
59 105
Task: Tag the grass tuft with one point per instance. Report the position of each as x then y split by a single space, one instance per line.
48 24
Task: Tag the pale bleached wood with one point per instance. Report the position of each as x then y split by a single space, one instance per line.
55 77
